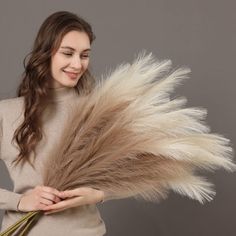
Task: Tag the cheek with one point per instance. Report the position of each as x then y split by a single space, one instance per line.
56 65
85 64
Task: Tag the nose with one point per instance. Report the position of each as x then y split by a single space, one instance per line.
76 63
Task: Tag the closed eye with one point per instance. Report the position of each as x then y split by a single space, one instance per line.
67 54
85 56
70 54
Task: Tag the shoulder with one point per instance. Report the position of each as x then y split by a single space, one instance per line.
11 105
12 102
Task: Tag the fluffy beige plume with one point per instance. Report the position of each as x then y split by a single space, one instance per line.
129 139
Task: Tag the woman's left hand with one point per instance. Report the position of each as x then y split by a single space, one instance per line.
74 198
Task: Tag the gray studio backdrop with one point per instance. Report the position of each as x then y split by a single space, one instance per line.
197 33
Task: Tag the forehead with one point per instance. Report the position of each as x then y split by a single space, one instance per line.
76 39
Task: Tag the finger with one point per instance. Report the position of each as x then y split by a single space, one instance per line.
74 192
41 206
50 197
55 206
66 204
70 203
67 194
51 190
53 211
46 201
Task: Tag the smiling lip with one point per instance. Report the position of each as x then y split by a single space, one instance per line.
72 75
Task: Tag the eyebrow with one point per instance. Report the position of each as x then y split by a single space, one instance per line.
67 47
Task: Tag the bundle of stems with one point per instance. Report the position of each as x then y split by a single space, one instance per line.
130 139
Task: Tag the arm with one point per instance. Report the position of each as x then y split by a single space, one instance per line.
8 200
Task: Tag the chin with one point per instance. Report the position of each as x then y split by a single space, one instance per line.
69 84
65 82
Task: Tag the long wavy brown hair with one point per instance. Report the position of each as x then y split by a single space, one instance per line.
37 74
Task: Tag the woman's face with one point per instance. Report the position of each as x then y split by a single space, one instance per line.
71 59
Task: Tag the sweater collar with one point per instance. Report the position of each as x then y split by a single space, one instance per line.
61 94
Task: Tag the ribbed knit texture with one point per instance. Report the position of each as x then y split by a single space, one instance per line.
80 221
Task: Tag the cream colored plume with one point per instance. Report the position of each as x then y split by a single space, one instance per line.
130 139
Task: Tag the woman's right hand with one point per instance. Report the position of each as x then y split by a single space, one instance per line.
37 198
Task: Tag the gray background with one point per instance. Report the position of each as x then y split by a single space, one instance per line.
199 34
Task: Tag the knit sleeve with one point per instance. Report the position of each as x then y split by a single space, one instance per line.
8 200
109 196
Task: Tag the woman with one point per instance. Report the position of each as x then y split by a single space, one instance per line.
55 75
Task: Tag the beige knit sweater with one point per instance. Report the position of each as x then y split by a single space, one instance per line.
79 221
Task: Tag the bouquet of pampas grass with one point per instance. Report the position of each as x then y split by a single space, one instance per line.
130 139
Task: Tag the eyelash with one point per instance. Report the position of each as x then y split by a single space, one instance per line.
70 54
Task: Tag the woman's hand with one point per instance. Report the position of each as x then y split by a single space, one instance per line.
74 198
37 198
